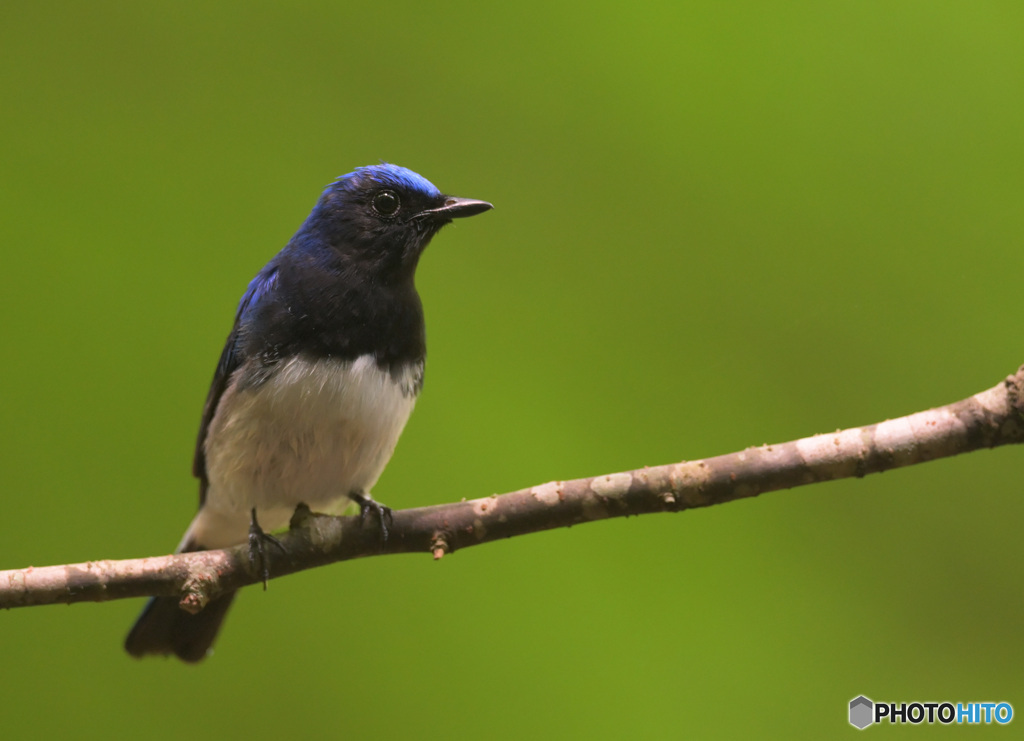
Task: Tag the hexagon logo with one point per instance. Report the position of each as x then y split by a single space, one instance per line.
862 712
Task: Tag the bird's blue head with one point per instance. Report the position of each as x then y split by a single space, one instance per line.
383 216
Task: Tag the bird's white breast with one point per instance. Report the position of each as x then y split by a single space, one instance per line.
314 432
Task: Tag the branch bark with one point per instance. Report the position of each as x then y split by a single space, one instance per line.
986 420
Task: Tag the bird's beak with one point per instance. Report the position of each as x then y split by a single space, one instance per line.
457 208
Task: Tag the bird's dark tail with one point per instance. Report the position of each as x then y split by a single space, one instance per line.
164 628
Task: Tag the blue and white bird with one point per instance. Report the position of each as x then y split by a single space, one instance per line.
316 381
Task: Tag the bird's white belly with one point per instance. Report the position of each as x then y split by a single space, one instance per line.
314 432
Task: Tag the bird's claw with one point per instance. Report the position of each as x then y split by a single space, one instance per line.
258 550
368 504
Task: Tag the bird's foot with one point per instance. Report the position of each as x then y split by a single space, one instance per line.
369 504
258 548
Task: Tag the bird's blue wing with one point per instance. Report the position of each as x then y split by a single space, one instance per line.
230 359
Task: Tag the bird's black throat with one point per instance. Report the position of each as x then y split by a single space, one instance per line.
323 315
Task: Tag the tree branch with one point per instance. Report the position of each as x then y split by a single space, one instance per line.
986 420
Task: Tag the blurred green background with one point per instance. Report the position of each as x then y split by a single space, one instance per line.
717 225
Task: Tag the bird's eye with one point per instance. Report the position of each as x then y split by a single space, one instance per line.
386 203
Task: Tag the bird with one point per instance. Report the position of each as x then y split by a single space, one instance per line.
315 383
